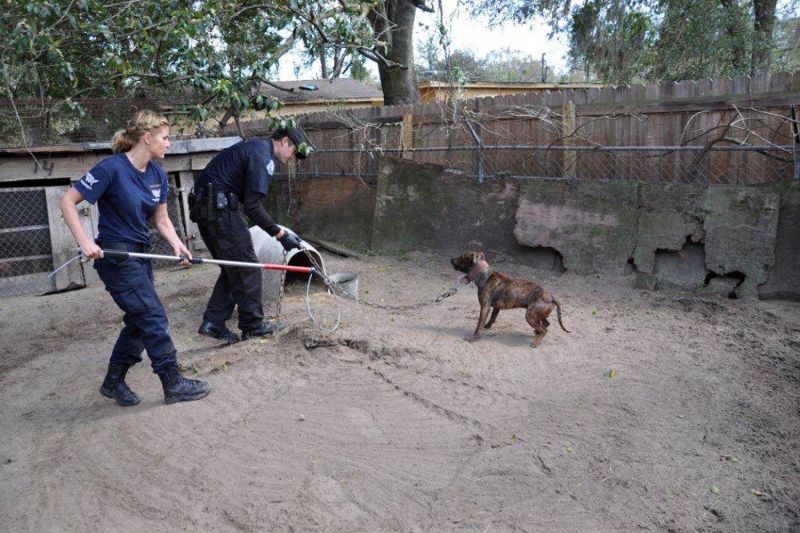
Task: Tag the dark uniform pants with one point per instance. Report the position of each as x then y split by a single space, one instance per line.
228 238
130 283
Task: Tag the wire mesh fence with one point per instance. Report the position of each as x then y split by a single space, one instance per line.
679 164
25 246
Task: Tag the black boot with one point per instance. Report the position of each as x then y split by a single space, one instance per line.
262 330
209 329
179 389
114 386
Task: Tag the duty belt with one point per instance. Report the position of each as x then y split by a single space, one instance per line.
126 246
209 202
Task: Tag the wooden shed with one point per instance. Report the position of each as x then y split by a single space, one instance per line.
34 240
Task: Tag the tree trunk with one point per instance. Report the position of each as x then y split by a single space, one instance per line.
323 63
399 83
764 11
733 25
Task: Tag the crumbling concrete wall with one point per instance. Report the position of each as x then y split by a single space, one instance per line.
714 232
668 215
740 240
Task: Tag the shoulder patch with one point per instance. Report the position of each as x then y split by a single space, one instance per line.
271 167
88 180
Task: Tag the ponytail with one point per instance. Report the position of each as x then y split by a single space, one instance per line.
142 122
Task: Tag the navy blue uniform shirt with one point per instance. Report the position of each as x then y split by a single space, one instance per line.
245 166
126 197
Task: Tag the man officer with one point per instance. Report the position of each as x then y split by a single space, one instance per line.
241 174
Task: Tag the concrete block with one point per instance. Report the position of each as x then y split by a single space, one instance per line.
645 281
783 281
422 207
668 214
592 224
335 209
740 229
685 269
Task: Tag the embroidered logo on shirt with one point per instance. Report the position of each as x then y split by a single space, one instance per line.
88 180
156 190
270 167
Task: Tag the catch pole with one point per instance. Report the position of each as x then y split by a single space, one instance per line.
199 261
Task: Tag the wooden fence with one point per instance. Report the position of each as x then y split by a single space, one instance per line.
741 130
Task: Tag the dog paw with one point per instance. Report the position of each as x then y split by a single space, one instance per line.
471 338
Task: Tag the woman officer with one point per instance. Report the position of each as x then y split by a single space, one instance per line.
130 188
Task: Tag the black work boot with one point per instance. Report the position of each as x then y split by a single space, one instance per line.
114 386
180 389
209 329
262 330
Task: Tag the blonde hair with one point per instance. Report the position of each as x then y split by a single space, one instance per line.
142 122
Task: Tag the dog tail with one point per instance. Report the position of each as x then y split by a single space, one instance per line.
558 312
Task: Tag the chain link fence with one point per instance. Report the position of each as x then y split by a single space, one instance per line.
678 164
25 248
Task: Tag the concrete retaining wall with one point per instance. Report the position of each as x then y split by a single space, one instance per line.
739 240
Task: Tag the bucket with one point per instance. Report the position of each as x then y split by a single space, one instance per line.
269 250
345 282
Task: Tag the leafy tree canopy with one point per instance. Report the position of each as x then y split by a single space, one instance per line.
214 53
505 65
621 41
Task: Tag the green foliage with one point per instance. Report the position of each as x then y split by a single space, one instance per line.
212 53
338 53
621 41
505 65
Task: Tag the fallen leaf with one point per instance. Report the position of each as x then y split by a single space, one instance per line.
715 489
612 373
757 492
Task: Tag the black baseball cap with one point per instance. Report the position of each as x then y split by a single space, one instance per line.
298 137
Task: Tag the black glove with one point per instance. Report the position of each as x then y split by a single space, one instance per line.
289 241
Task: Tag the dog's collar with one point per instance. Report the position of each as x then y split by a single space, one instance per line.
479 268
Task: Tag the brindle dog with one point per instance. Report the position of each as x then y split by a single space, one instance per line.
498 291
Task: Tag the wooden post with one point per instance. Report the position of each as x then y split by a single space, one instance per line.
62 243
89 215
191 231
570 124
356 156
407 135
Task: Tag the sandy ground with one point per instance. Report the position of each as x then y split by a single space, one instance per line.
395 423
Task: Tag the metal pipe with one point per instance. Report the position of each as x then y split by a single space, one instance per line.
222 262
